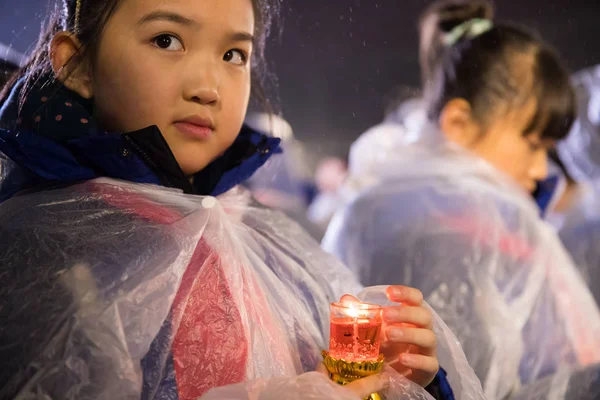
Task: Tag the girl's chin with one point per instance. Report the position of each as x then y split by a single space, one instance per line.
192 167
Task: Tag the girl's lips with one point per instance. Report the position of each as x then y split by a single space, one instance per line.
196 131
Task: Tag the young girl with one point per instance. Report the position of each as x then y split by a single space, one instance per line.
448 206
122 277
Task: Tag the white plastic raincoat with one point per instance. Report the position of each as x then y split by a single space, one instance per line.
580 154
425 213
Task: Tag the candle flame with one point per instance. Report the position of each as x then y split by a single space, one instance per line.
353 309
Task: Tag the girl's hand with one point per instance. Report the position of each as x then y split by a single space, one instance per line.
362 387
407 341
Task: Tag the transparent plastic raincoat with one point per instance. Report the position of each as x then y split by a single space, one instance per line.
107 283
115 286
580 154
567 384
425 213
580 151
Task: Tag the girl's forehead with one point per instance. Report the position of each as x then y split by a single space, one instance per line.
237 13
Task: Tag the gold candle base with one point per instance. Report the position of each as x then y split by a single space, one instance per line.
343 372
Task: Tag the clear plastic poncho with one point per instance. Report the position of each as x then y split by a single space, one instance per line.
114 290
580 150
569 383
425 213
580 154
580 233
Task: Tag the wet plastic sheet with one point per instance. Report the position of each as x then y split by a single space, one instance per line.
580 151
580 233
427 214
113 290
566 384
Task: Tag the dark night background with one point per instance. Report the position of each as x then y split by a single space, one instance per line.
339 61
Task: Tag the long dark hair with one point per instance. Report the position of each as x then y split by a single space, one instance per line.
91 21
504 65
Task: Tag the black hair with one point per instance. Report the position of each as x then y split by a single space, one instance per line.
438 19
505 65
92 19
553 155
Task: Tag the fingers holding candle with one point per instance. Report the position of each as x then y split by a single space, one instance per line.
371 384
420 369
322 369
411 352
349 299
409 342
411 315
404 294
424 339
420 364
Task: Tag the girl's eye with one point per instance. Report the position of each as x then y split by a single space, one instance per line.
236 57
534 145
168 42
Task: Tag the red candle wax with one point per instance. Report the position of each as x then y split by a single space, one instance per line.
355 332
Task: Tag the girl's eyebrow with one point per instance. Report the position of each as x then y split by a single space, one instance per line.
170 17
241 37
188 22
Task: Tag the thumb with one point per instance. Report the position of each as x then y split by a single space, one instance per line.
322 369
365 386
348 298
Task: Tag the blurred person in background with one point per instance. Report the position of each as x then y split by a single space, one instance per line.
446 203
329 178
286 181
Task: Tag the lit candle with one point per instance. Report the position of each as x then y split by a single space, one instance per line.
355 331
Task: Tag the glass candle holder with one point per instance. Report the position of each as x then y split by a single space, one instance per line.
355 330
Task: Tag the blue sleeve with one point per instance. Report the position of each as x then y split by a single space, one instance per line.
440 388
544 193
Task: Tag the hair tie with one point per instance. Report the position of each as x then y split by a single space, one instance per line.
469 29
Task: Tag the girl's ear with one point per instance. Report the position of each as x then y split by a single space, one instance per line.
68 64
458 124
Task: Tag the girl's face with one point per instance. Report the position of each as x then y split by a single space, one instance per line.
504 142
507 146
183 65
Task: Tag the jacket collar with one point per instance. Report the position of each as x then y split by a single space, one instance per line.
55 138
